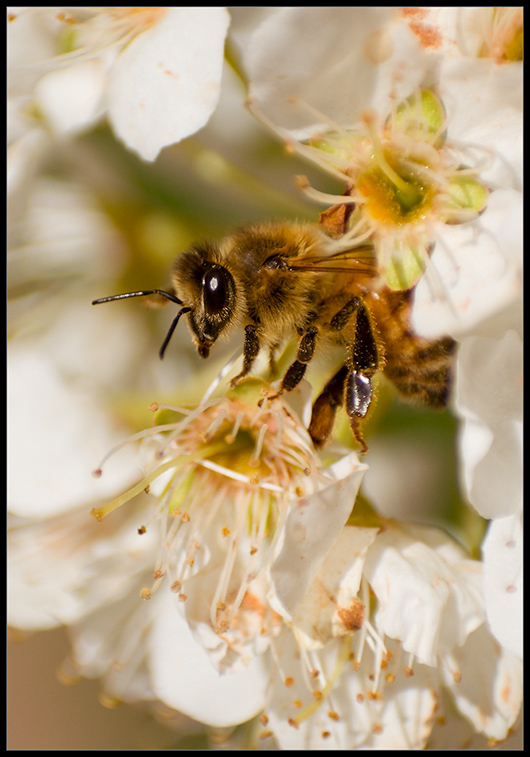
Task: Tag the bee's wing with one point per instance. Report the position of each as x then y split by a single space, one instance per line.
359 260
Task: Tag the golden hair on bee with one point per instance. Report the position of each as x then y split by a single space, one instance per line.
285 280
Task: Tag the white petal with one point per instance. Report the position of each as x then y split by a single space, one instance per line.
503 581
317 53
247 635
489 399
72 98
312 528
184 678
65 568
489 693
58 433
484 104
166 83
429 595
331 607
479 268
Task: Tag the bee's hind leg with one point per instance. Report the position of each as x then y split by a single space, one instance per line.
352 384
326 406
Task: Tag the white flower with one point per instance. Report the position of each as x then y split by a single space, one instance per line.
58 381
156 71
363 71
350 676
225 477
391 147
489 399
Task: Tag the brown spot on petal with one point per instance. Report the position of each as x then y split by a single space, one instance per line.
352 617
429 36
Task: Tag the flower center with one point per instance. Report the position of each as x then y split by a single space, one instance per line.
224 476
402 179
394 196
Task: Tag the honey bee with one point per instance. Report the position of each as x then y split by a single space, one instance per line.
281 281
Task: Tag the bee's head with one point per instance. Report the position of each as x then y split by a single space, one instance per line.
209 290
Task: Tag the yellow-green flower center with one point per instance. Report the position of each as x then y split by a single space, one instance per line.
394 197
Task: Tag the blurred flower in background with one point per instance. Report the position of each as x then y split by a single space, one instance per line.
276 612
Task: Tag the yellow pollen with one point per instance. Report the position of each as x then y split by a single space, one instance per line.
405 192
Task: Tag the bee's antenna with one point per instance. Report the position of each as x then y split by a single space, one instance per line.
171 330
167 295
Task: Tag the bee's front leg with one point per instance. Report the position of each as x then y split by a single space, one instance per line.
251 348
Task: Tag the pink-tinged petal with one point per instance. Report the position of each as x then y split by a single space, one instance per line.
503 581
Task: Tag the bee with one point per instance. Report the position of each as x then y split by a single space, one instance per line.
280 281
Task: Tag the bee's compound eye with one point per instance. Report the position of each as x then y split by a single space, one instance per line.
216 284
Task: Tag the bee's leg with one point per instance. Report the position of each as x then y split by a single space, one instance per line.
306 350
352 384
340 319
357 398
251 348
362 365
325 408
273 368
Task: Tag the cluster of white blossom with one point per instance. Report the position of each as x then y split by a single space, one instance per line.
273 592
